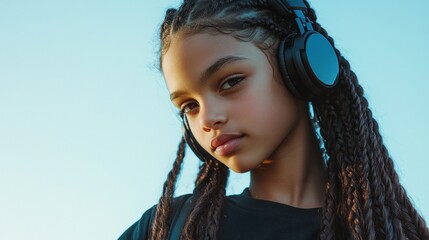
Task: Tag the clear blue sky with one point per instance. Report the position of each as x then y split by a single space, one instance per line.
87 133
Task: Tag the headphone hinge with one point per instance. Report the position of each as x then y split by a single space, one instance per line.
303 22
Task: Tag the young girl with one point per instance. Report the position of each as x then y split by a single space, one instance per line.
260 87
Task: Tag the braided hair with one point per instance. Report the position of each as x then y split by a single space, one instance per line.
363 199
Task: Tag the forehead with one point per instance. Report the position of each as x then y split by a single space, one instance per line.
200 46
188 56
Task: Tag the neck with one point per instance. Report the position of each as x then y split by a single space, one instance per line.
295 174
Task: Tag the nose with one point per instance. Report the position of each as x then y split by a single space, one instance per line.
212 117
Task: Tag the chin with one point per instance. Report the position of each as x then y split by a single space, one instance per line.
240 167
239 170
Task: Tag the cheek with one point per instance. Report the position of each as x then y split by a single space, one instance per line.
246 106
267 109
261 104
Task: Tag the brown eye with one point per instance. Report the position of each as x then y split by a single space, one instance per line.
231 82
187 107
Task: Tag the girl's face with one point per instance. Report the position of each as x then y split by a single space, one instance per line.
236 108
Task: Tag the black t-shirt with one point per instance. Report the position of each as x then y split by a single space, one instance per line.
247 218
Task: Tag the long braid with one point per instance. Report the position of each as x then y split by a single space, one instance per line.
357 145
362 136
403 223
202 173
360 133
160 225
382 220
350 170
336 125
382 216
329 222
214 212
413 224
203 221
362 161
388 182
371 182
386 219
411 221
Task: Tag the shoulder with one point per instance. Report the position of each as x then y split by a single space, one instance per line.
141 228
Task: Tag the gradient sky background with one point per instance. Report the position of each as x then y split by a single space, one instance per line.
87 132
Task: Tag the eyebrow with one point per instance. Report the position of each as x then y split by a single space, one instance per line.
210 71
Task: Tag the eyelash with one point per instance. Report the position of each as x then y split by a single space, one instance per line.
232 81
228 80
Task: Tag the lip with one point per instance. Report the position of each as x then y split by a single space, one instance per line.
222 140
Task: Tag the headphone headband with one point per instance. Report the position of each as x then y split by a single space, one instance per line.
295 8
288 6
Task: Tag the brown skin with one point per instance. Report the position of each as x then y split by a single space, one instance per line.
299 179
275 139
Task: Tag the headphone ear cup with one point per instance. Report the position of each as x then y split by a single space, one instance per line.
308 64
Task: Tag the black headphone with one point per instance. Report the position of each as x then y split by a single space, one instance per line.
198 150
307 62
